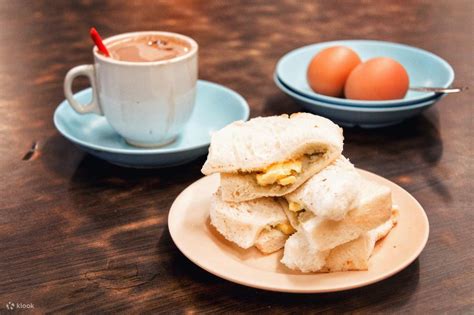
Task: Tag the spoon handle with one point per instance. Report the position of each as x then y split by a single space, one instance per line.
437 89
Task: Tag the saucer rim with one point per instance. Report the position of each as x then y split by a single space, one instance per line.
245 114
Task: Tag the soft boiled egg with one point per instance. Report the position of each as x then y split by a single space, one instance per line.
328 70
377 79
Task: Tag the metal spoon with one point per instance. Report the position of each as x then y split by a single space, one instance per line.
438 89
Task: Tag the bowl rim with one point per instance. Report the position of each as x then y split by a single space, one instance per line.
368 109
343 101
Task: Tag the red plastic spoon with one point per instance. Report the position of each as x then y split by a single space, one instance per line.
98 42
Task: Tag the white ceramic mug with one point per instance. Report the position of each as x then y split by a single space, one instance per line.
147 103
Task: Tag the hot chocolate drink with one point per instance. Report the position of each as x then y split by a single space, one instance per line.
148 48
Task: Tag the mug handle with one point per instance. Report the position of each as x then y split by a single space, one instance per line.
88 71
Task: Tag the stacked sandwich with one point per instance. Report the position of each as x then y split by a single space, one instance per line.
284 183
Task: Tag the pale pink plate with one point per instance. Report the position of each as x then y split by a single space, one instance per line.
189 226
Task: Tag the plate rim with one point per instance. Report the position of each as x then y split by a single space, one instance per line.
235 279
345 102
245 114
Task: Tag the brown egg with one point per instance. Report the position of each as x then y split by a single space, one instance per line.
377 79
328 70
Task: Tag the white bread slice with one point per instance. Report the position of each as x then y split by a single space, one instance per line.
243 223
372 209
270 240
331 193
243 186
353 255
300 255
260 142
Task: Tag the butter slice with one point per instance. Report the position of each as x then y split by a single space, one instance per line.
294 206
283 173
285 228
287 180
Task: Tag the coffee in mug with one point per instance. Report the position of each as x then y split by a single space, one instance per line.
146 89
148 48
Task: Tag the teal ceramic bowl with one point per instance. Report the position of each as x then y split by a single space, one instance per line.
424 69
216 106
364 117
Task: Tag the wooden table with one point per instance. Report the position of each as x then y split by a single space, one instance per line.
80 235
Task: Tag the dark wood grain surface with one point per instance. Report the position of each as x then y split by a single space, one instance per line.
80 235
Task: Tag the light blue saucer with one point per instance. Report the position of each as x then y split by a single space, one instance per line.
216 106
424 69
351 116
